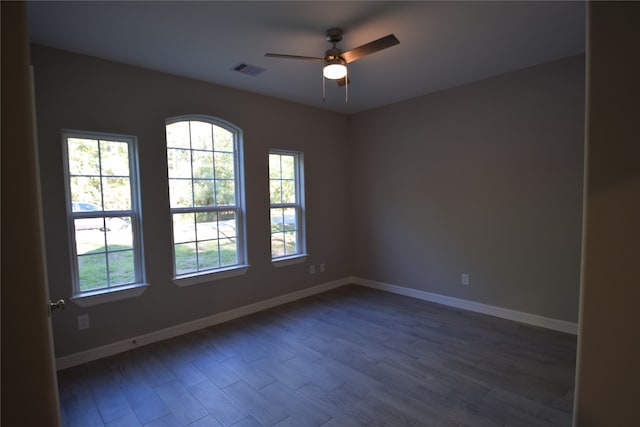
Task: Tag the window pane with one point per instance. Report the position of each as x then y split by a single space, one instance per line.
288 168
92 270
290 222
290 243
184 229
208 255
203 193
203 164
225 192
178 135
116 193
223 139
122 224
228 252
288 192
114 158
118 238
185 256
201 136
121 268
275 191
89 240
180 193
90 224
224 165
277 245
227 224
83 156
274 166
207 225
86 190
277 220
179 162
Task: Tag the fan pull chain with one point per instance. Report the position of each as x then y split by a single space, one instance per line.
324 94
346 87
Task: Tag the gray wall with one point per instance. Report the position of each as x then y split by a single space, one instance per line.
484 179
83 93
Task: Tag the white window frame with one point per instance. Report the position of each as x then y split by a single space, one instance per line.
116 292
241 267
299 206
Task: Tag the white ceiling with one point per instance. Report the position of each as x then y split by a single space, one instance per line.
442 44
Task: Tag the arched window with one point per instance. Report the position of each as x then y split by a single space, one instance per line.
206 198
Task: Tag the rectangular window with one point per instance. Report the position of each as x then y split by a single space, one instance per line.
103 211
205 195
286 204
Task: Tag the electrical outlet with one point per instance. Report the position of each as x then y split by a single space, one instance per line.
83 322
312 269
465 279
322 268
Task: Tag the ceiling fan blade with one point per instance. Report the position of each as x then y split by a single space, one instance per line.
341 82
307 58
369 48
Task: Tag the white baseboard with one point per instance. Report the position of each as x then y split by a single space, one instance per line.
505 313
184 328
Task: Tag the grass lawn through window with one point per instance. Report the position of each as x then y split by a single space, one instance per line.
117 261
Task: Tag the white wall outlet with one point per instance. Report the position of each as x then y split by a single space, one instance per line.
312 269
322 268
465 279
83 322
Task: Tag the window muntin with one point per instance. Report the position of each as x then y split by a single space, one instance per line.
205 195
286 204
102 205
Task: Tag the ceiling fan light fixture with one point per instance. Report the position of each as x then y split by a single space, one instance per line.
334 69
335 60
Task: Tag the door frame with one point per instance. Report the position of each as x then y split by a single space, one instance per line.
29 383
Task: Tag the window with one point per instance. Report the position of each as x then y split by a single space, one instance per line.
103 213
287 205
205 192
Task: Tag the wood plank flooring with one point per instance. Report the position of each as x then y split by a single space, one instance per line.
349 357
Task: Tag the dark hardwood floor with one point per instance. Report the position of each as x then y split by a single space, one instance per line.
349 357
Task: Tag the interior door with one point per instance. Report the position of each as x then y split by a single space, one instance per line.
29 386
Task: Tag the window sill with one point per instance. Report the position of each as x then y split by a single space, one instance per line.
285 261
101 296
209 276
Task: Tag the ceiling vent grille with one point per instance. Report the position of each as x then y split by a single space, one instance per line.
250 70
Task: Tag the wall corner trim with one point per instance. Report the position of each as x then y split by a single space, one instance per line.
96 353
505 313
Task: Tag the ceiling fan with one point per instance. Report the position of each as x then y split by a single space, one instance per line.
335 60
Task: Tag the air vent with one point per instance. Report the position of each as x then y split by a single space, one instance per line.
250 70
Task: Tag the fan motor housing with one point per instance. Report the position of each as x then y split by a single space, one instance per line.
334 35
332 54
